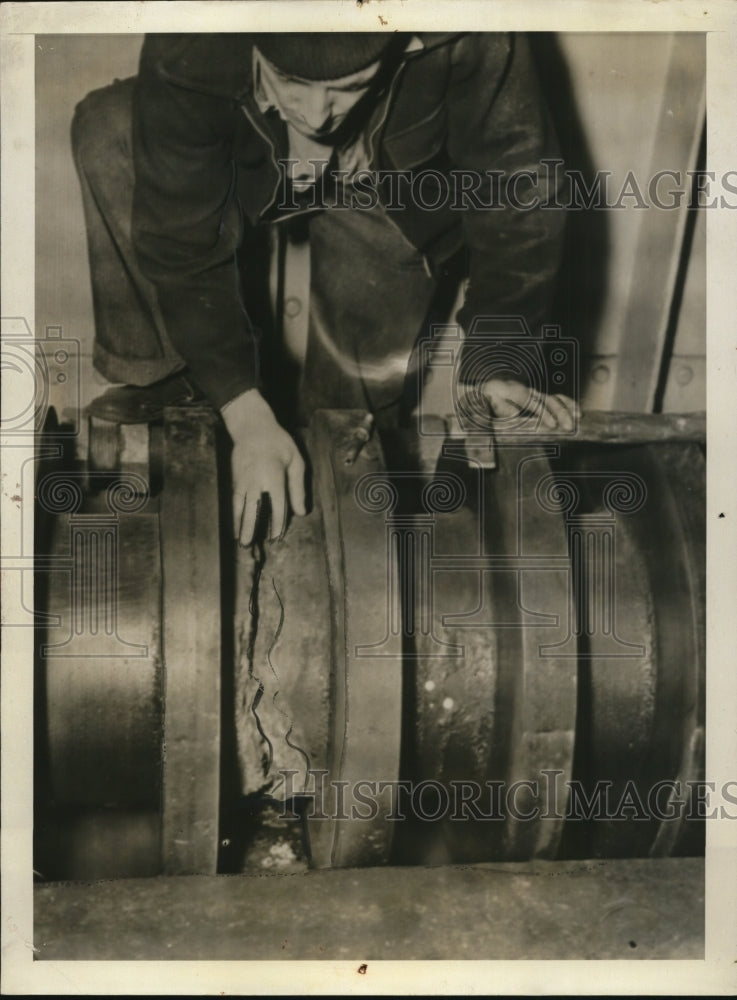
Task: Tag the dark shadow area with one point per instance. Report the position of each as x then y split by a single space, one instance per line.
43 525
262 834
680 282
579 296
229 777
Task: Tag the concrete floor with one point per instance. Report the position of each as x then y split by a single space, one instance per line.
646 909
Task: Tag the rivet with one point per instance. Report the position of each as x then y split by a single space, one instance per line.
292 306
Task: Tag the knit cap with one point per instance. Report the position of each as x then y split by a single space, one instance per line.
323 55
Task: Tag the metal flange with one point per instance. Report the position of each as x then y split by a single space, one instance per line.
129 663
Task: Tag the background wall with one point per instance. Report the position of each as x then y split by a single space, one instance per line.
67 68
621 103
632 104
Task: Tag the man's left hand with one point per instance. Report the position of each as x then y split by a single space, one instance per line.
508 398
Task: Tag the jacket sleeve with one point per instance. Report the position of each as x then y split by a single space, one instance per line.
498 121
186 225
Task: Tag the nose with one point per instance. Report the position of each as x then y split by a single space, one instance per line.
317 107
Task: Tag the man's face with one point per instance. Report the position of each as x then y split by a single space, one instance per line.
317 108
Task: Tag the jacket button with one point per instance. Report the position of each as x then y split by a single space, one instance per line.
292 306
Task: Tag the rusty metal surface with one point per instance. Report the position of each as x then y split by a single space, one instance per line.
190 554
612 427
606 427
366 648
538 686
455 677
89 843
98 674
102 688
493 700
129 681
548 910
438 621
104 445
642 710
283 658
307 698
684 469
115 448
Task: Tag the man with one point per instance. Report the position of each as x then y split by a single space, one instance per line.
222 136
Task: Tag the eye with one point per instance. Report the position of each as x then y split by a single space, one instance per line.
353 88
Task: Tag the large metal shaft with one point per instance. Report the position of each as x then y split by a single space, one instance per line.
530 624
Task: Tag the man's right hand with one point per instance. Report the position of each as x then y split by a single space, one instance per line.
265 459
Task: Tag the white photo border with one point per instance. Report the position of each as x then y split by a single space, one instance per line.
717 974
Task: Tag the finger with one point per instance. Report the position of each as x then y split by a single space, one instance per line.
561 413
497 389
296 484
250 509
277 495
238 503
571 408
571 405
537 406
511 399
523 401
505 407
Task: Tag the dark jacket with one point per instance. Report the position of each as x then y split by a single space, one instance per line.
206 164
